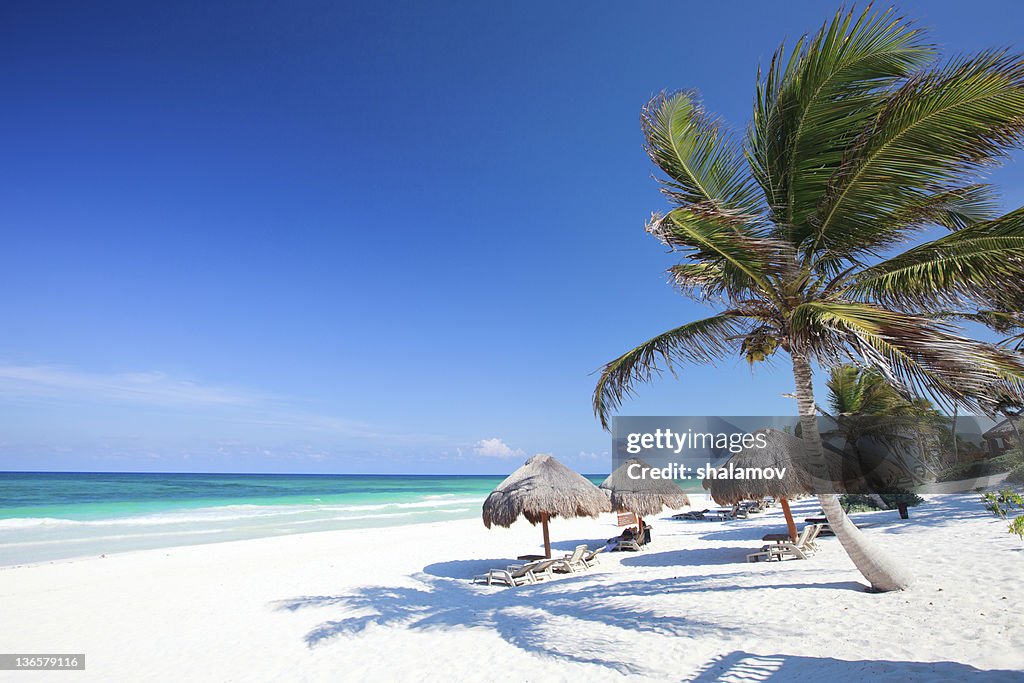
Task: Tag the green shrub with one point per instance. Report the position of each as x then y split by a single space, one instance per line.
1009 505
858 502
983 468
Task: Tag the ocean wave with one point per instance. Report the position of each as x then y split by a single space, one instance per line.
184 534
240 513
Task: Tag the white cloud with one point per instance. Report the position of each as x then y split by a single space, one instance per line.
262 413
591 455
136 387
496 448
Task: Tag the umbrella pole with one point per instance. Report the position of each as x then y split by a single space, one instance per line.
789 519
547 538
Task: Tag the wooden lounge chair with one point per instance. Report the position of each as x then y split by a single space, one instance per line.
570 564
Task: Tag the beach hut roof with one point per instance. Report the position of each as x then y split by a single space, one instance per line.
543 486
1004 428
781 450
643 496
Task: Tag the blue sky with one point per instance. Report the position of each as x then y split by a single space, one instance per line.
309 237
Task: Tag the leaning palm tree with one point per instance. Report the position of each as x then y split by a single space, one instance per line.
859 141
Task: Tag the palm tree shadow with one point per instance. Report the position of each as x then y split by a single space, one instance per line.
688 557
520 616
748 666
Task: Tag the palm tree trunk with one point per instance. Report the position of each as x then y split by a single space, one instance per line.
880 572
956 450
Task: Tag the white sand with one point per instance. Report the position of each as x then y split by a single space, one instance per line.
395 604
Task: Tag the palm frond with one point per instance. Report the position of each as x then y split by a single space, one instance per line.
965 265
702 161
701 281
706 235
701 341
845 391
1010 323
811 106
917 354
939 127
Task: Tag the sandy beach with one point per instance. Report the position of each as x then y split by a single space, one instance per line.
397 604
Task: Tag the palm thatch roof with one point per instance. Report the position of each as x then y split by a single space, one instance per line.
643 496
782 450
1004 428
543 486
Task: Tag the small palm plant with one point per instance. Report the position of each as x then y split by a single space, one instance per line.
859 140
914 435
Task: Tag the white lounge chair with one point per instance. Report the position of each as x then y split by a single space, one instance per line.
630 544
570 564
692 515
801 550
518 575
725 514
798 550
590 557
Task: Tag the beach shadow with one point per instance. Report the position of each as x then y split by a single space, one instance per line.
461 569
689 557
745 533
701 584
569 546
522 616
746 666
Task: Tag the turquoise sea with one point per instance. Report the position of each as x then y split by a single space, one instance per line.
50 516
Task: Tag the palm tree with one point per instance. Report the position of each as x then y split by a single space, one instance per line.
859 139
864 406
1005 316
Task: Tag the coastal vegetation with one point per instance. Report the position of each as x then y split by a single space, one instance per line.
814 235
1008 505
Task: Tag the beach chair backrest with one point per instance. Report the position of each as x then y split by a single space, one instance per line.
525 569
815 529
543 565
578 554
801 540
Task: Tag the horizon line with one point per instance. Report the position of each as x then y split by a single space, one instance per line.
271 474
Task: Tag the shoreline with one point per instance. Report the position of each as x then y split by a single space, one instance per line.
227 542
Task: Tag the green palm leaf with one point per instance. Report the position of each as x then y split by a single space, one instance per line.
746 261
702 341
921 355
968 264
703 164
811 107
936 128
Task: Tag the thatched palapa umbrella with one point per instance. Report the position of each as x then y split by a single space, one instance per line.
781 450
539 490
642 495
